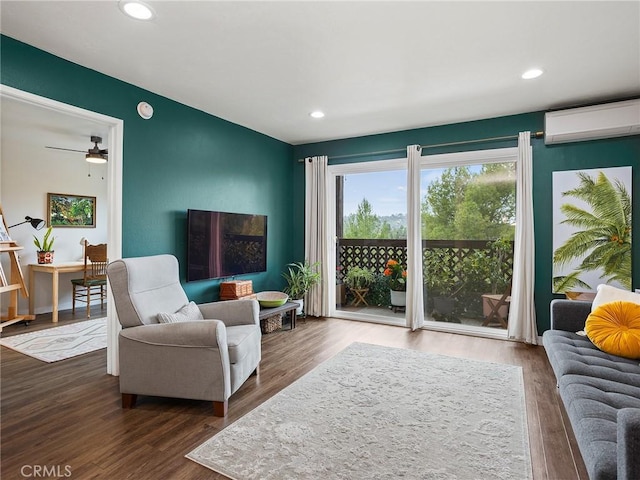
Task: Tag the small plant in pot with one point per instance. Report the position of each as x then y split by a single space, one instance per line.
300 277
45 248
397 276
358 280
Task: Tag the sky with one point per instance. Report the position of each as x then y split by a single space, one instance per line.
386 191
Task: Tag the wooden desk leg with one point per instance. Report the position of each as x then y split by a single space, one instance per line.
294 316
32 290
54 297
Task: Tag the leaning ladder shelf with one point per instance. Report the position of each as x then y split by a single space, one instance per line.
12 285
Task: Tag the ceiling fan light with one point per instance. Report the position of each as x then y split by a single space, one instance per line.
95 158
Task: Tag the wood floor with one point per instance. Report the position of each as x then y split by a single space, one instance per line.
67 416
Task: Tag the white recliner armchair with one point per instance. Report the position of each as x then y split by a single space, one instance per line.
204 359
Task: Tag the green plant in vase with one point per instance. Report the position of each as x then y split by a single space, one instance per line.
359 278
397 277
300 278
45 248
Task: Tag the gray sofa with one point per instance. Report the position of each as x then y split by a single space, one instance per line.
600 392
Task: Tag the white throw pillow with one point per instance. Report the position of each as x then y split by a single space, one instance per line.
607 293
188 313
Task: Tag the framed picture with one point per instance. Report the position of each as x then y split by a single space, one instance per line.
591 229
65 210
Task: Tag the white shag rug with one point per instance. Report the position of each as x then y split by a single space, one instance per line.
375 412
60 343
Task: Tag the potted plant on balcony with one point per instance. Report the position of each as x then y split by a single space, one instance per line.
443 285
300 277
45 248
358 280
397 276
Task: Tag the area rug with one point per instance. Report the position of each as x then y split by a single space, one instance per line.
375 412
60 343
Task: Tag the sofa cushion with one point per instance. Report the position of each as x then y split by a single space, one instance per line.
592 404
607 293
570 353
189 313
614 328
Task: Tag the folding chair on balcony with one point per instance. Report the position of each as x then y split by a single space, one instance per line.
499 305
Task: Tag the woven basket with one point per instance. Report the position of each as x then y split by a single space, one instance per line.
271 324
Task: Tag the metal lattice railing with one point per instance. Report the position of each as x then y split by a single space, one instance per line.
373 254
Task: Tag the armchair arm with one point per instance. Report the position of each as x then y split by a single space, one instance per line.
628 443
232 312
203 333
569 315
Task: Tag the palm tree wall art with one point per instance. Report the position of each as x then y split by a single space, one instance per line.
592 229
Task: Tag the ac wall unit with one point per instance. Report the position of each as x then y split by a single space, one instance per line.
608 120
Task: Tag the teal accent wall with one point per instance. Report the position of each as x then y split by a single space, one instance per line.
184 158
181 158
546 159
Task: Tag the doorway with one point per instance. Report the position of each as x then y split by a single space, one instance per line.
115 129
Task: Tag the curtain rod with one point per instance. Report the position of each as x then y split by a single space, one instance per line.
437 145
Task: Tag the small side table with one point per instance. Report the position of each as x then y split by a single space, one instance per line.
288 308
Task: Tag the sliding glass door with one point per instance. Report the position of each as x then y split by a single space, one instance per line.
467 204
370 231
468 226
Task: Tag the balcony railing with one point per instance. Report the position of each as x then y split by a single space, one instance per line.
460 269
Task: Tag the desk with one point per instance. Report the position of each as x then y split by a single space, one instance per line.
54 269
287 308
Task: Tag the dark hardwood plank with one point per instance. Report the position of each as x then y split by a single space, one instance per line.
69 412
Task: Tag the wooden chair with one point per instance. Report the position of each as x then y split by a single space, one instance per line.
94 281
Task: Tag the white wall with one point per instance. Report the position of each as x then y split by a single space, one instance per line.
28 172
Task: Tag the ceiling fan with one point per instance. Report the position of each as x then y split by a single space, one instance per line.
92 155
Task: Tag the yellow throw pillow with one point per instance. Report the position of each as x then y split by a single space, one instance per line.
614 328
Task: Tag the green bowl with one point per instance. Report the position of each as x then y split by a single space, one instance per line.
272 299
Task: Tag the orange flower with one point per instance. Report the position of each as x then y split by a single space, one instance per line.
397 275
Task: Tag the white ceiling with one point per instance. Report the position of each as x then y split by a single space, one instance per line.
26 124
372 67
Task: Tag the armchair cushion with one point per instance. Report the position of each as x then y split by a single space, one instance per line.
188 313
241 341
205 333
233 312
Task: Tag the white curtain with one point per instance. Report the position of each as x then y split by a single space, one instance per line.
415 309
315 233
522 314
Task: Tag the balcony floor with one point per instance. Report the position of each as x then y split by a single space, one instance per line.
397 316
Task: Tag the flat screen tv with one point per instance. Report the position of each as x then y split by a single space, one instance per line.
221 244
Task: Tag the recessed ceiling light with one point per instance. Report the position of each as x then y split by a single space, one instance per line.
533 73
317 114
136 9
